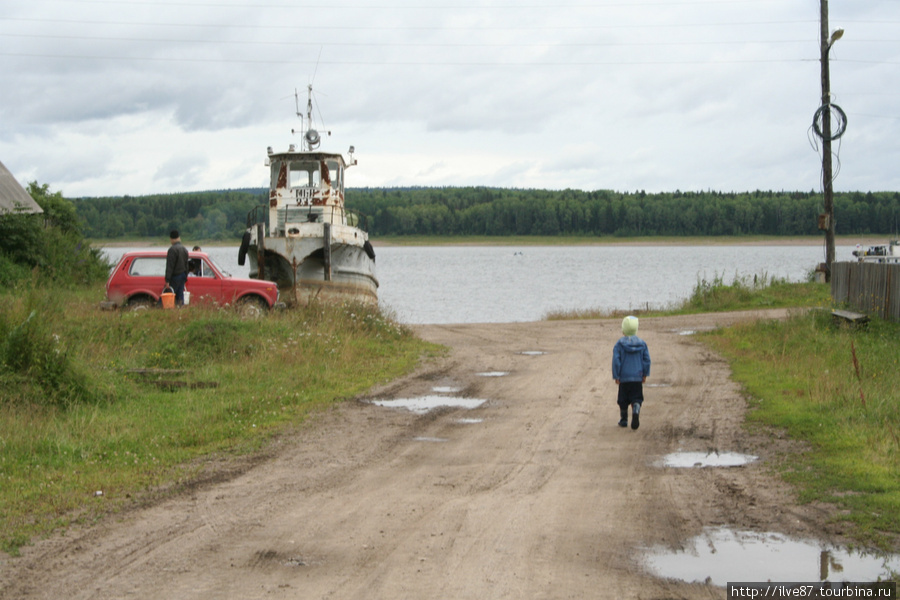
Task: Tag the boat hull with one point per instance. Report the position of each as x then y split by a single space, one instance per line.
305 272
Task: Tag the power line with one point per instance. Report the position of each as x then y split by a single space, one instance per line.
269 60
333 6
311 27
403 44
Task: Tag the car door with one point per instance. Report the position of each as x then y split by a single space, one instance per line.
205 285
146 273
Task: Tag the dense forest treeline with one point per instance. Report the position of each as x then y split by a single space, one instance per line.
500 211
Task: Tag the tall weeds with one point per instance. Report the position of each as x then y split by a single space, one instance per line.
748 292
862 395
36 365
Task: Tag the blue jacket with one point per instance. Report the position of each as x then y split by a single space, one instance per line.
631 359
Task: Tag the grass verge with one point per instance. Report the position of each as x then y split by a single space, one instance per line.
104 409
834 387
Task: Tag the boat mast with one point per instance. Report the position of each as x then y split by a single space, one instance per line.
311 138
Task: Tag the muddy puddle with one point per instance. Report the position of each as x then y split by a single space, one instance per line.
446 389
690 331
721 555
688 460
423 404
493 374
532 353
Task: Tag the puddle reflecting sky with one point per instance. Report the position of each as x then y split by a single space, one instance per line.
724 555
446 389
493 374
423 404
706 459
533 353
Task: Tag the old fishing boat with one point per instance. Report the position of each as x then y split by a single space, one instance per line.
304 238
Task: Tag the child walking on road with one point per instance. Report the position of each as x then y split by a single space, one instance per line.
630 368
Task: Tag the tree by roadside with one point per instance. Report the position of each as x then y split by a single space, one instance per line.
48 247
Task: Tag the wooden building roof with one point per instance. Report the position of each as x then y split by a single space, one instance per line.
13 197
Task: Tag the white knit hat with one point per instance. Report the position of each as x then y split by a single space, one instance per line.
630 325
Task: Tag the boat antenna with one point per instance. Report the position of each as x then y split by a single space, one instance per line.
311 138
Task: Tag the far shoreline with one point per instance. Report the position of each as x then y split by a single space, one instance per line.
413 241
843 240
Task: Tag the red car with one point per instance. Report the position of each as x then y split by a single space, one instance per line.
138 280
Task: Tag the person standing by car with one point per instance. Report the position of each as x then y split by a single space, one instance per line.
177 267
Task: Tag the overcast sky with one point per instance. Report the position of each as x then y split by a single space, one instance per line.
110 97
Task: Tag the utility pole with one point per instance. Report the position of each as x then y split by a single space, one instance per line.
825 112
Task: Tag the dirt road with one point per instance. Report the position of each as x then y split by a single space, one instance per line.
535 494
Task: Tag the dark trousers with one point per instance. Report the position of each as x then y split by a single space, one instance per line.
629 393
177 282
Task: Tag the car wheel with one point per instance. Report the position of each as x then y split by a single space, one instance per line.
136 303
252 307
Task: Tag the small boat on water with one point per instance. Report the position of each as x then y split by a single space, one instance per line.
305 239
887 253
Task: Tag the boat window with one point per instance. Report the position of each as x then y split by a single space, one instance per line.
279 175
304 174
337 174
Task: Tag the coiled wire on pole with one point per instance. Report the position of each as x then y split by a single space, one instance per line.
837 115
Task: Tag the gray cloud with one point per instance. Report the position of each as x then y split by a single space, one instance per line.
118 97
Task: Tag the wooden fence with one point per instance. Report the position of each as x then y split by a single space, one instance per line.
872 288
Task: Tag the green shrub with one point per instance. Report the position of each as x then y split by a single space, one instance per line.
34 361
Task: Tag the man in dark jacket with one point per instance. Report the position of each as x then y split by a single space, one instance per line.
177 267
630 368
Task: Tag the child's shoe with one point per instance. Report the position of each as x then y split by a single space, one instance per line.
623 422
635 415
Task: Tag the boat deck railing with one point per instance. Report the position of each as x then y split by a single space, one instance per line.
288 215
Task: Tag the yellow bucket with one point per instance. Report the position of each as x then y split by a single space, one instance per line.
168 299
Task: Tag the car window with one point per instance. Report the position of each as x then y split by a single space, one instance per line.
224 273
206 270
148 267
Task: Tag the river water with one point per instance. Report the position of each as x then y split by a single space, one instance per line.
497 284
